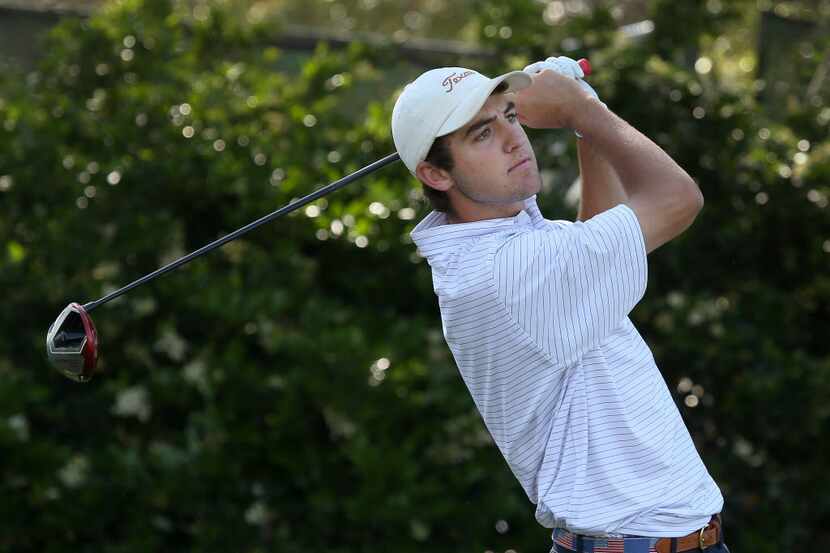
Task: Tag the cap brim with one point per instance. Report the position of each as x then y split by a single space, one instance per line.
466 110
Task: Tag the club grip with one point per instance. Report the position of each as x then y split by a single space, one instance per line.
585 65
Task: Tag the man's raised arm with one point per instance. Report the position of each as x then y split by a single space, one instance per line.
664 197
600 186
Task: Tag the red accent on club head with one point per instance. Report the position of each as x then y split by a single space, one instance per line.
72 344
585 65
90 351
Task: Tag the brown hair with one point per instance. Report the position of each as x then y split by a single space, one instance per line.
440 156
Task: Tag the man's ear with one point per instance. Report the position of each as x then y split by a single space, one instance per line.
433 176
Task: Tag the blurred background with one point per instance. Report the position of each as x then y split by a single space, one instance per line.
292 391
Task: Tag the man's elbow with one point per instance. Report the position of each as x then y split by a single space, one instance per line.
693 201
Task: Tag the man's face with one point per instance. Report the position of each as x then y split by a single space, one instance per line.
494 163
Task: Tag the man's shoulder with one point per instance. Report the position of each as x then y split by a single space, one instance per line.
526 243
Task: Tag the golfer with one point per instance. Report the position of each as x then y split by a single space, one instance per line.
535 311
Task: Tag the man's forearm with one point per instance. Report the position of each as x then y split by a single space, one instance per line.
601 187
664 197
661 194
643 168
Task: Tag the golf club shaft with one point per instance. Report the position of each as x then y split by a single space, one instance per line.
372 167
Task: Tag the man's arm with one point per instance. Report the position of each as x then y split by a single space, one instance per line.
601 188
663 196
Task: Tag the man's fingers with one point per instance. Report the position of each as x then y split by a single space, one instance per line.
563 66
574 66
567 67
534 67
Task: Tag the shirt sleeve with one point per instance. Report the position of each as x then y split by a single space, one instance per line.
570 286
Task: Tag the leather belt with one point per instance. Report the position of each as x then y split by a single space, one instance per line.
699 540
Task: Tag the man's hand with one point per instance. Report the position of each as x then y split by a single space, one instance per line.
553 101
563 65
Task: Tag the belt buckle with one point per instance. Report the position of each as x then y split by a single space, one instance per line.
702 540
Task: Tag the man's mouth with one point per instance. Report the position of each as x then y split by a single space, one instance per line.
519 164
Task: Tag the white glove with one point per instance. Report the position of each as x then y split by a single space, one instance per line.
564 66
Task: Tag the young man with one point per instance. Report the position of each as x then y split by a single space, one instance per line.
535 312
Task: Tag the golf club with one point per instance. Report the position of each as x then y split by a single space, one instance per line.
72 340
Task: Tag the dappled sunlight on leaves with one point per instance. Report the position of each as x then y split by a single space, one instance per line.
300 375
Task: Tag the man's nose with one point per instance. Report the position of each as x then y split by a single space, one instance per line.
512 134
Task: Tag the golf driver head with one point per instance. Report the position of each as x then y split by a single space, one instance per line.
72 344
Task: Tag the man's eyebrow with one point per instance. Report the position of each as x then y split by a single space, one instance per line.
478 124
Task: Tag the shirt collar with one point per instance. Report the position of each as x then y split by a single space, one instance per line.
434 236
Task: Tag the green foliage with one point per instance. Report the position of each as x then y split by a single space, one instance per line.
292 391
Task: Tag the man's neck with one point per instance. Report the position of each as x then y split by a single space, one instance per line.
481 212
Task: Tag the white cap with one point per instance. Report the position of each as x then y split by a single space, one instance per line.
439 102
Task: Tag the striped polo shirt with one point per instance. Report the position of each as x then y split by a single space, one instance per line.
535 313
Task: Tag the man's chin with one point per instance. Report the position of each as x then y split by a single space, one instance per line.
534 187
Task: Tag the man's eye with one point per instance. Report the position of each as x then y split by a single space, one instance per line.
512 116
483 134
